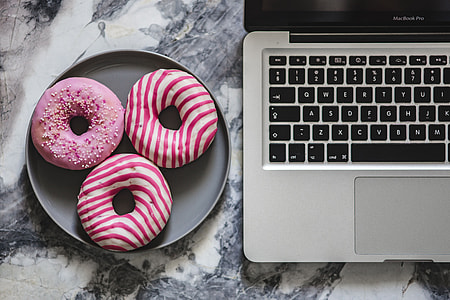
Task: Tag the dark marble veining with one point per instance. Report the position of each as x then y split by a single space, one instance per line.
106 9
435 278
42 11
39 260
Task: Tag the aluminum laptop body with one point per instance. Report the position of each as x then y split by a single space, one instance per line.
358 199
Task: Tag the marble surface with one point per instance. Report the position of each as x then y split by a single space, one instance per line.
41 38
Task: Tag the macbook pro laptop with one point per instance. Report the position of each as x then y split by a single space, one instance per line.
346 113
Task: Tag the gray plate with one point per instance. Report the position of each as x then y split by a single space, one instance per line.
195 187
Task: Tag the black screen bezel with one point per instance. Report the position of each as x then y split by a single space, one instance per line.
257 19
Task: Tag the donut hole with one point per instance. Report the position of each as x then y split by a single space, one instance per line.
79 125
123 202
170 118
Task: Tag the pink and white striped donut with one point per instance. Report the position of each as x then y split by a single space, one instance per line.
156 91
153 202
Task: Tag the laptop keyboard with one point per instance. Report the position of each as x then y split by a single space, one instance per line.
359 108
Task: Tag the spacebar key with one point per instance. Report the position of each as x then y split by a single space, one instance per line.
398 152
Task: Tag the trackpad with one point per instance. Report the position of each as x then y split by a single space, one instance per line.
402 215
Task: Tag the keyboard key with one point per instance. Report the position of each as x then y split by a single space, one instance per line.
358 60
427 113
284 113
432 76
388 113
306 95
417 132
397 60
446 75
311 114
369 113
281 95
394 152
330 113
383 94
422 94
374 76
339 132
296 76
377 60
335 76
364 95
359 132
438 60
436 132
397 132
349 113
297 60
325 95
337 152
301 132
413 75
316 152
317 60
402 94
277 60
344 95
378 132
277 76
316 76
418 60
320 132
393 76
354 75
444 113
338 60
296 152
277 152
441 94
407 113
279 132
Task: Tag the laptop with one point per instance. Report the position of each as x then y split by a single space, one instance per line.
346 113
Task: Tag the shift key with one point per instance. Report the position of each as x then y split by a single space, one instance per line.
284 113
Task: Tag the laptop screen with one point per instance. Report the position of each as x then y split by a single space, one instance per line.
347 15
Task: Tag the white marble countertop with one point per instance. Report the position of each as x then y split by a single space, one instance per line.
38 40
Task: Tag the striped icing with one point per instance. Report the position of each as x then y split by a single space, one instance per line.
153 202
156 91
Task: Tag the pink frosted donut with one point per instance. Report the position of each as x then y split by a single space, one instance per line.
152 94
153 202
77 97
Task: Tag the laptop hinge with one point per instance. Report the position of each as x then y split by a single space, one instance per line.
368 37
